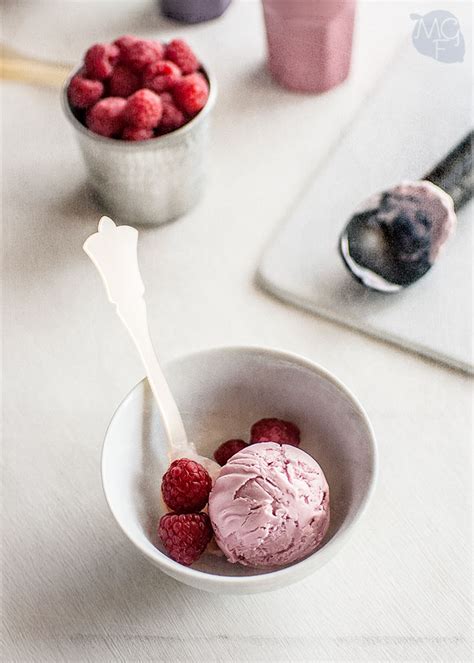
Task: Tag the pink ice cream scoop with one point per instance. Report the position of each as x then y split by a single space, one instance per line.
269 505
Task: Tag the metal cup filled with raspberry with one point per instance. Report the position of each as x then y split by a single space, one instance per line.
141 110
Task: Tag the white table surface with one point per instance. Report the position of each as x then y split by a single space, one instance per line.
73 588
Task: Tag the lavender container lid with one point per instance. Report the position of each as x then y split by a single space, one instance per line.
193 11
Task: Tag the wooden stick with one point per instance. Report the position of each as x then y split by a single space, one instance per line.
16 67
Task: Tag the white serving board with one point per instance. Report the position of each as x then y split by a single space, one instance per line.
415 115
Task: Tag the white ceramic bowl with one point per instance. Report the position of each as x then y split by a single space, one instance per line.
220 393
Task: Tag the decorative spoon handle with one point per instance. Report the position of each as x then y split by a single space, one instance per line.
113 250
454 174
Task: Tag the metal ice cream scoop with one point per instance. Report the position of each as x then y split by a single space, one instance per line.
395 236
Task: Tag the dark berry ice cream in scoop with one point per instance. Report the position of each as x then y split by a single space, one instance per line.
396 236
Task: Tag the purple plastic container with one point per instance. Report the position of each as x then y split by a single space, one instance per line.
193 11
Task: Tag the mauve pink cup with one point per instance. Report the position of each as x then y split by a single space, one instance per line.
309 42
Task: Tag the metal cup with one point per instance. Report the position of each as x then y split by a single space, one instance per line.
147 182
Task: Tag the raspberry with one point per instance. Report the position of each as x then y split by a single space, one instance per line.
123 82
83 92
106 116
134 134
186 486
124 42
179 52
191 93
275 430
143 109
228 449
185 536
161 76
141 52
100 60
171 118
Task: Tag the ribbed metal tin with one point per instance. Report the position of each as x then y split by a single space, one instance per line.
147 182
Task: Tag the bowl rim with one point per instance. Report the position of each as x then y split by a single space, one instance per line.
304 566
151 143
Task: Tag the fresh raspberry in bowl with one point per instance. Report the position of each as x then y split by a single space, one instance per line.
140 53
124 42
106 117
143 110
161 76
191 93
179 52
162 87
275 430
123 81
185 536
83 92
186 486
171 118
228 449
100 59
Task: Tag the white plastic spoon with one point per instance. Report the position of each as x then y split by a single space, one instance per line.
113 250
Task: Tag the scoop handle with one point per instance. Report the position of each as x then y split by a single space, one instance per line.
113 250
454 174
